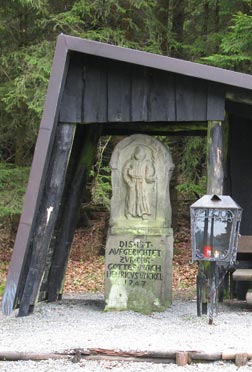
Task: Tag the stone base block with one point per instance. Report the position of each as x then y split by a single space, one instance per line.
138 273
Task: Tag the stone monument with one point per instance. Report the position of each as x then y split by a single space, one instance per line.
139 247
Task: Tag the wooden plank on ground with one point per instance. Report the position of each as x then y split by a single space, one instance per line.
179 357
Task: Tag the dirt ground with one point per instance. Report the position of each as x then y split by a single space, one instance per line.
85 271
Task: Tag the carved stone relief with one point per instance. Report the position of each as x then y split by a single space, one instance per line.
141 171
138 172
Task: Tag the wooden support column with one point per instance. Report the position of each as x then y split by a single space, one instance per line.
47 216
71 210
215 184
71 169
215 158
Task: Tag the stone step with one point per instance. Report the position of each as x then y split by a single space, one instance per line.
249 297
242 275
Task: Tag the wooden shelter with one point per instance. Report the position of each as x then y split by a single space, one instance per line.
97 89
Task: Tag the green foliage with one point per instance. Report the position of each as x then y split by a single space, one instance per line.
126 23
25 64
13 182
192 168
239 38
194 158
21 100
192 165
236 45
101 175
2 286
190 190
27 89
101 189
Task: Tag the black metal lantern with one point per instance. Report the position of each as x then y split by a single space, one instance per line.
215 224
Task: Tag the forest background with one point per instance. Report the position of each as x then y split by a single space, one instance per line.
216 32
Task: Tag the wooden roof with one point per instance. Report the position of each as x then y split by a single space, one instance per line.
160 62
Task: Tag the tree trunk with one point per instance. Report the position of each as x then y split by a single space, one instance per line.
205 20
178 20
162 13
20 136
217 17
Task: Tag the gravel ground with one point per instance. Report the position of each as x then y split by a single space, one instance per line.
79 322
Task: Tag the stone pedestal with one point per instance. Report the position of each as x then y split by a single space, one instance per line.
139 247
138 272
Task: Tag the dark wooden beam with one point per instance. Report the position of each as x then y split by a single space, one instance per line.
239 95
157 128
47 216
152 133
70 213
71 169
239 109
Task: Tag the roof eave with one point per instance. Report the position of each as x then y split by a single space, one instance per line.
174 65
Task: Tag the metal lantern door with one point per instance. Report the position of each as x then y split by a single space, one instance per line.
215 224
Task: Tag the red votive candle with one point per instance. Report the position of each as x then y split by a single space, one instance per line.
207 251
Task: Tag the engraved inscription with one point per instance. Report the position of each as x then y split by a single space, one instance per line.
135 261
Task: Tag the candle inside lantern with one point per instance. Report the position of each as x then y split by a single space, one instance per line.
216 254
207 251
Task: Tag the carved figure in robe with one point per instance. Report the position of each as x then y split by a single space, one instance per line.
137 172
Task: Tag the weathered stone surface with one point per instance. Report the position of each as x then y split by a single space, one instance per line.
139 246
138 272
141 171
249 297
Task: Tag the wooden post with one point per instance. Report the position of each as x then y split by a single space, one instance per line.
70 214
215 158
215 184
241 359
47 216
182 358
72 164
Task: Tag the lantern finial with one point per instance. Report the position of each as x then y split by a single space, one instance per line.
215 198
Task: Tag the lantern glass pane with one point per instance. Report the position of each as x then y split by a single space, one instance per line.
212 233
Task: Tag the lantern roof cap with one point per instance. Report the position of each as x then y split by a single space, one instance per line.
216 201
